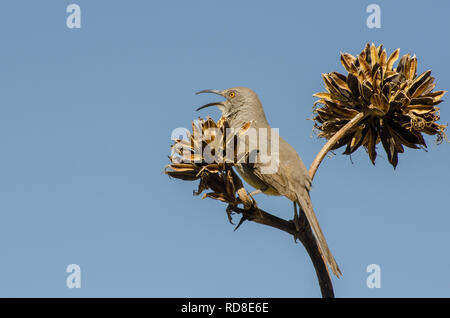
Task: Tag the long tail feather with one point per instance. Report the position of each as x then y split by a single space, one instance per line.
304 202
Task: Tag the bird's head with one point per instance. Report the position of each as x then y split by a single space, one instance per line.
236 99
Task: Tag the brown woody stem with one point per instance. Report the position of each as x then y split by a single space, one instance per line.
332 141
305 235
252 213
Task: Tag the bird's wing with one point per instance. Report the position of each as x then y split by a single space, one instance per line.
292 180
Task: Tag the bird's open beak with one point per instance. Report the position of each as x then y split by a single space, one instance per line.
211 91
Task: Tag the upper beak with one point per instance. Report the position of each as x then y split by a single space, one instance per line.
212 91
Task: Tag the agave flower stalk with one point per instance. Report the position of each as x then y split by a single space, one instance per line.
375 102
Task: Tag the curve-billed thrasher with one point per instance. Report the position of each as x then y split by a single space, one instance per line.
291 180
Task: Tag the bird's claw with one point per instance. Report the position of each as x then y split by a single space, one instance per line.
296 237
243 218
229 214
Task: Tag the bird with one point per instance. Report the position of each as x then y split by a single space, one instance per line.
242 105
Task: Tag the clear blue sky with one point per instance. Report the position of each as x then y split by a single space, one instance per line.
85 123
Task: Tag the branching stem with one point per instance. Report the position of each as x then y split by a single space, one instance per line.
332 141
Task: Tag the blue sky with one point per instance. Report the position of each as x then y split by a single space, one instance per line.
85 122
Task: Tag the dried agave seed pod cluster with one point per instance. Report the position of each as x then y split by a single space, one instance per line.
216 173
398 105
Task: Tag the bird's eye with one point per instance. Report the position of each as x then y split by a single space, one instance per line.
231 94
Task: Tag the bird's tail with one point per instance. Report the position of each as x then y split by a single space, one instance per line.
304 202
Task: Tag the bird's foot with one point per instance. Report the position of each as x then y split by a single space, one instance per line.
230 212
298 230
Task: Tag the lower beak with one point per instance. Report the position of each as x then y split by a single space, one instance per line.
210 104
211 91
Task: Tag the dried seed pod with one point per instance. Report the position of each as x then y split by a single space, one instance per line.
190 161
398 105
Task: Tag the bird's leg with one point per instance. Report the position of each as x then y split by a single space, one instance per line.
296 222
255 192
296 218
